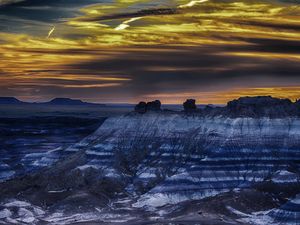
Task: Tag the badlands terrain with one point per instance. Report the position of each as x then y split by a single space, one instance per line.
237 164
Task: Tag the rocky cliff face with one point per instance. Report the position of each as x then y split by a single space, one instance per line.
207 155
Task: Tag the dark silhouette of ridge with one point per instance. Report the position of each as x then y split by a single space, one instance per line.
10 100
68 101
53 102
258 106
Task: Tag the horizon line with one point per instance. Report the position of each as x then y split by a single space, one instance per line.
136 102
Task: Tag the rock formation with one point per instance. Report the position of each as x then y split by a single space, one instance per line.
190 105
144 107
141 107
154 105
261 106
254 107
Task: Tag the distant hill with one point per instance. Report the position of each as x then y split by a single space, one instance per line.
53 102
69 101
65 101
10 101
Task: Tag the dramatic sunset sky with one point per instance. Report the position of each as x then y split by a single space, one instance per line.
131 50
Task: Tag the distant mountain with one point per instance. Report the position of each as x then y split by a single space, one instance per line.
10 101
68 101
65 101
53 102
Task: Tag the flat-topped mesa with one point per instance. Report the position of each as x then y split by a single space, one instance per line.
190 105
10 100
260 101
65 101
261 106
143 107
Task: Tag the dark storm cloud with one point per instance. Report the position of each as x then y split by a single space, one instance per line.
40 3
267 45
16 14
172 71
270 25
8 2
139 13
198 68
51 14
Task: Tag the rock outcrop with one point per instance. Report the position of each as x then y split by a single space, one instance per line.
143 107
154 105
253 107
190 105
261 106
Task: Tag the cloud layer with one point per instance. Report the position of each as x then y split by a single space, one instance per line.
128 50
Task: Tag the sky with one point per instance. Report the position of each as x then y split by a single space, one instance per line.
125 51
